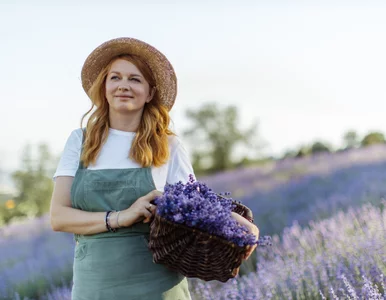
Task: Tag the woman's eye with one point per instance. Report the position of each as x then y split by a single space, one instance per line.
135 79
113 77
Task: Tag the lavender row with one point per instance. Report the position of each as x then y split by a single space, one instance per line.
33 258
343 257
60 293
306 189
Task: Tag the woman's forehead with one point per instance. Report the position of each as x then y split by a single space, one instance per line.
122 65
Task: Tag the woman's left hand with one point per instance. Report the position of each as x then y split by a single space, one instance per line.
151 208
252 228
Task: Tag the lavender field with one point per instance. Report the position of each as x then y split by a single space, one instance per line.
33 259
343 257
325 213
307 189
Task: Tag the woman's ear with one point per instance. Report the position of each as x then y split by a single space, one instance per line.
152 92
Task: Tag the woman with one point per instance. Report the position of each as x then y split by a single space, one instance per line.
110 172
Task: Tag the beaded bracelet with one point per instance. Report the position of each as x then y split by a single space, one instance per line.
107 221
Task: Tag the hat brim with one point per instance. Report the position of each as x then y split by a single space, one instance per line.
163 72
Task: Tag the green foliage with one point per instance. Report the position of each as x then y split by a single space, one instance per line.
246 161
34 185
6 215
5 197
373 138
216 129
289 153
351 139
318 147
303 151
40 286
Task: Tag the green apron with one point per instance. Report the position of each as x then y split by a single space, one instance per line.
115 266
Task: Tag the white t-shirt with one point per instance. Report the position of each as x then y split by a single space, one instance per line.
114 155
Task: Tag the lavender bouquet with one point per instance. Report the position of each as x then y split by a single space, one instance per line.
195 205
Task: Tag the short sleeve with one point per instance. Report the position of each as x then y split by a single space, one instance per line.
69 161
180 166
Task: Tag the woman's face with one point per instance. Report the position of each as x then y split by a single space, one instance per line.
126 88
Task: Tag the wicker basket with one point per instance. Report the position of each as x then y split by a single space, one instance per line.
195 253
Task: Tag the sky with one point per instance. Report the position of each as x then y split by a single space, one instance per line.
304 70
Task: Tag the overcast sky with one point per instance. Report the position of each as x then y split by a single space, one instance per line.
306 70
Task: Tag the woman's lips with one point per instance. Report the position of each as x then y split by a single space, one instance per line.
124 96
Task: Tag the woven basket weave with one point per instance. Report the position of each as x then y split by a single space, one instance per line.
195 253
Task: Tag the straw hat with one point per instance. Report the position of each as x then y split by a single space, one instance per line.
163 72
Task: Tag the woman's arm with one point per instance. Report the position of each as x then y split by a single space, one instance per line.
65 218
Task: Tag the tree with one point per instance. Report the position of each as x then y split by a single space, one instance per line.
216 130
373 138
303 151
350 139
34 183
319 147
289 154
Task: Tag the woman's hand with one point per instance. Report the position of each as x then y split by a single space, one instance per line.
140 210
252 228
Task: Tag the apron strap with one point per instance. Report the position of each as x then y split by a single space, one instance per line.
81 166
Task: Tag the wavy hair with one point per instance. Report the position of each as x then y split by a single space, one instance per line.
150 145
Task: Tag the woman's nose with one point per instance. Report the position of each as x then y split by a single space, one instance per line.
122 88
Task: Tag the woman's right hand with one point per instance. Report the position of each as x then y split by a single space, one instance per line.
140 210
252 228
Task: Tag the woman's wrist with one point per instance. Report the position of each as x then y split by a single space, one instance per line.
108 222
125 219
117 219
114 221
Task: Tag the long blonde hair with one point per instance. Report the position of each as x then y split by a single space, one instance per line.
150 145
